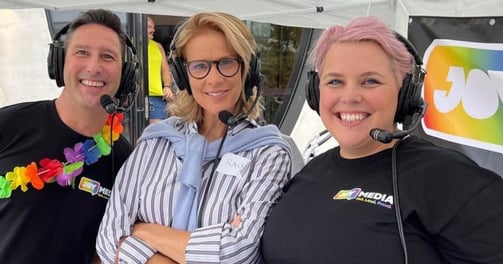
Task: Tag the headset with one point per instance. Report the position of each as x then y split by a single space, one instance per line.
409 97
180 75
130 69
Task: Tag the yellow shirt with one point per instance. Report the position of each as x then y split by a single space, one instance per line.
154 69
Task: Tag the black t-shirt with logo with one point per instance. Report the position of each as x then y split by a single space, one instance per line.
338 210
55 224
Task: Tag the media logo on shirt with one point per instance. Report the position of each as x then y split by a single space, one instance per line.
357 194
93 187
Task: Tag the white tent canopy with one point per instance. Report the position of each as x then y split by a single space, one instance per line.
300 13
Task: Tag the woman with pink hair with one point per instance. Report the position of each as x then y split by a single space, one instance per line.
382 195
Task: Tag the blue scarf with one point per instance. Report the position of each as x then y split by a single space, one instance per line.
188 141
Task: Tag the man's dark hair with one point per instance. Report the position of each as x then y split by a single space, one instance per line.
101 17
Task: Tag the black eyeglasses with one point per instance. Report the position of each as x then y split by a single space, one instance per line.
228 67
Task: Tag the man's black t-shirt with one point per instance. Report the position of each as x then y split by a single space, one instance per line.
55 224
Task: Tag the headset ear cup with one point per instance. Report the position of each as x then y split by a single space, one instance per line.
126 79
401 109
409 100
60 58
128 85
55 63
409 97
253 77
313 90
56 57
179 74
50 63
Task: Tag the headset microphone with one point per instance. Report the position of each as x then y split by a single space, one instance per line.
385 137
228 118
108 104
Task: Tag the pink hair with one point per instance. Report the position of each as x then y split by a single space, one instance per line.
365 29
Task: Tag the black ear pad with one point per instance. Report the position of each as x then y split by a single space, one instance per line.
55 62
253 78
177 64
129 84
409 97
56 57
403 97
313 90
179 73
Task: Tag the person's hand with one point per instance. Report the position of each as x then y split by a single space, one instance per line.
168 94
145 231
167 241
236 221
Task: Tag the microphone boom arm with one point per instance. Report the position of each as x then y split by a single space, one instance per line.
384 136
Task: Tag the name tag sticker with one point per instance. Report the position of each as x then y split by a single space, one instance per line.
233 164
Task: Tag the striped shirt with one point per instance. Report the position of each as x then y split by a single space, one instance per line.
146 189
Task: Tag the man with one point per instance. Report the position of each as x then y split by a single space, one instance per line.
159 77
58 158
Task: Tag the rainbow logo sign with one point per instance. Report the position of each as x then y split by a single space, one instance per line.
464 91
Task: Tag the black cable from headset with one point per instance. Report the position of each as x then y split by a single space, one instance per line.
396 199
217 162
112 144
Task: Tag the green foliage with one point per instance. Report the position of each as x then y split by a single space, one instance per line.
278 46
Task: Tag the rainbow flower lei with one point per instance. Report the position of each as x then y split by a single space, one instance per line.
64 173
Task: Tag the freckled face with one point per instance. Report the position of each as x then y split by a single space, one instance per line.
215 92
358 92
93 65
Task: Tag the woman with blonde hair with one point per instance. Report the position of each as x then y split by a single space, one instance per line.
199 185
